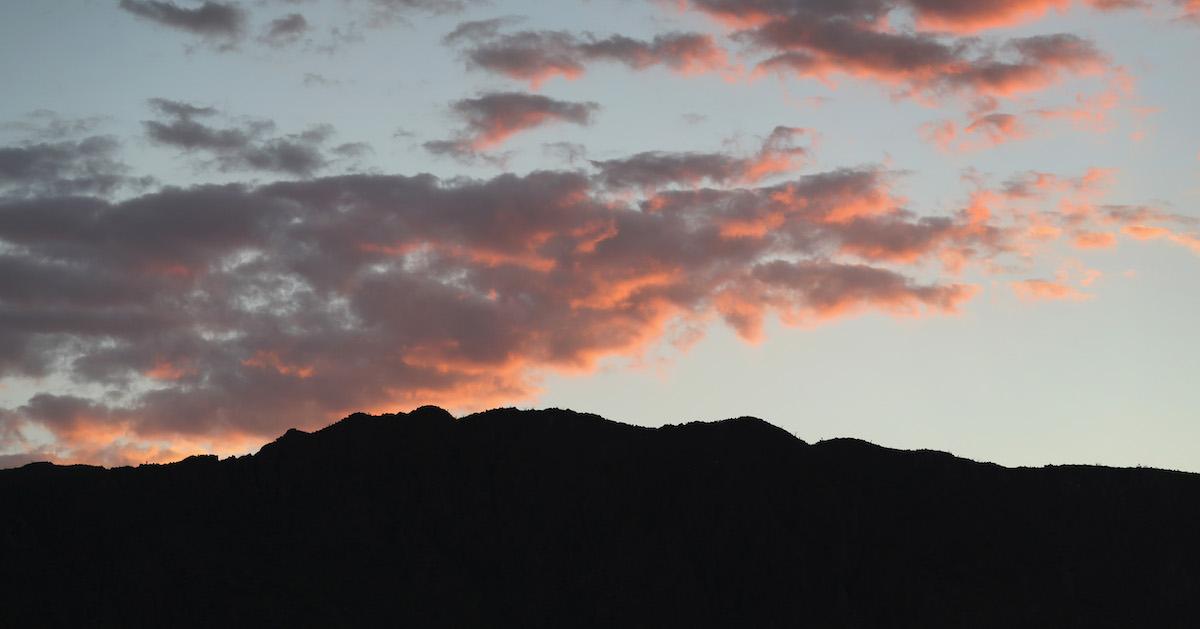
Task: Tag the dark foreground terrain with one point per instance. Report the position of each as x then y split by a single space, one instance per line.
557 519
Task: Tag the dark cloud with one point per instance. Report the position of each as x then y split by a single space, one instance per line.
478 30
87 166
244 146
225 311
224 25
285 31
830 288
535 56
464 152
924 48
179 109
352 149
221 314
962 16
658 168
492 118
917 62
221 24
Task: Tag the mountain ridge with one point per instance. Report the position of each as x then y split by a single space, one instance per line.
432 412
554 518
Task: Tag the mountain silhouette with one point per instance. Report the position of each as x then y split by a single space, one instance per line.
554 518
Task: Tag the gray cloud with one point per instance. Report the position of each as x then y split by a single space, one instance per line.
285 31
925 47
478 30
565 152
244 146
220 24
218 311
535 56
87 166
44 124
492 118
659 168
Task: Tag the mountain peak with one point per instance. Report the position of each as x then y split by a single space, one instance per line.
554 518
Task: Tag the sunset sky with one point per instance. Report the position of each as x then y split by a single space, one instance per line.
964 225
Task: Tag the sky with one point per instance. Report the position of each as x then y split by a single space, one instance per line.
963 225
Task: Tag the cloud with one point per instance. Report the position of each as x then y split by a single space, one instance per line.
478 30
921 63
1095 240
986 127
1148 223
925 49
1189 10
656 169
997 128
87 166
212 316
565 152
221 313
535 56
385 11
954 16
245 146
969 16
44 124
285 31
1117 5
490 119
312 79
219 24
1046 290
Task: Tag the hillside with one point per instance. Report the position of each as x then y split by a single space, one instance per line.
559 519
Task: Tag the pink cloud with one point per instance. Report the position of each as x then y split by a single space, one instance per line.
1046 290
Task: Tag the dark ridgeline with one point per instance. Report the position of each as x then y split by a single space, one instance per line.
558 519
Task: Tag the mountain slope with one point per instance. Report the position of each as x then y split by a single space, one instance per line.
558 519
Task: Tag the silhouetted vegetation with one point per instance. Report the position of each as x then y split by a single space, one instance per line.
557 519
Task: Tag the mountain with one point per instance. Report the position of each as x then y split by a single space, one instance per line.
558 519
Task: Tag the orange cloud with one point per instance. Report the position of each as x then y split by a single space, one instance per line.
1045 290
973 16
334 294
1145 232
271 360
166 370
1095 240
942 133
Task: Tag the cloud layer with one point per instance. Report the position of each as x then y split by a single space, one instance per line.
536 56
159 319
243 146
221 314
